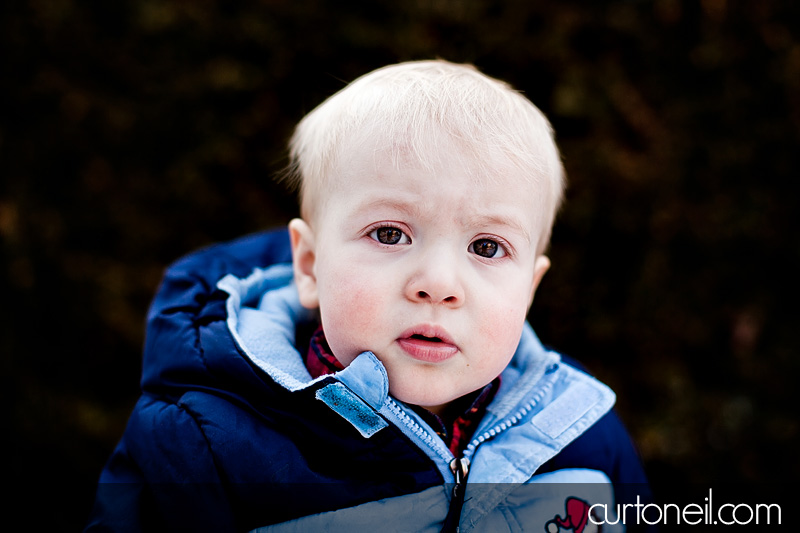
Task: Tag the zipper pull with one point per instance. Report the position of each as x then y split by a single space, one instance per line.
460 469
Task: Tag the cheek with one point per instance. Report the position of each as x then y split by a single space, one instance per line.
501 326
350 309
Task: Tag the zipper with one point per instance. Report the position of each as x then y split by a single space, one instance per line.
460 469
508 422
459 466
435 444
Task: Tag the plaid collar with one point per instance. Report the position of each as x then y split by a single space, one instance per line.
455 430
319 360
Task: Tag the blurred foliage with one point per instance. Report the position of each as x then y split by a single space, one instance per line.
135 131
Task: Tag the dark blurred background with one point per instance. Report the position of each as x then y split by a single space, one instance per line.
133 132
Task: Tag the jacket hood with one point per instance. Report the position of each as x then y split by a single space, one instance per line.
187 341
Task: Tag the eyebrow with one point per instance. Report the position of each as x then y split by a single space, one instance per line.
500 220
408 208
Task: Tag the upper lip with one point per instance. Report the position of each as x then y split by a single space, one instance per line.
430 331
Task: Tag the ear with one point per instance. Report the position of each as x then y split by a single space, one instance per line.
303 260
540 267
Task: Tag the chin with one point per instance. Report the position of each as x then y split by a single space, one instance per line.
433 403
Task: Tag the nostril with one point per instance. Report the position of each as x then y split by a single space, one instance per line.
424 296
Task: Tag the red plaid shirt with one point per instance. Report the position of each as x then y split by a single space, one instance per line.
468 409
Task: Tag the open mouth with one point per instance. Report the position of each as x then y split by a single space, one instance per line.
424 338
434 347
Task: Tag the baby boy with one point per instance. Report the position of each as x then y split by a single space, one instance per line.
422 401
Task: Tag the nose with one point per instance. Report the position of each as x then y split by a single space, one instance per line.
436 280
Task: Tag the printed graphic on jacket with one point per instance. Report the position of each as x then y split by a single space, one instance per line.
576 519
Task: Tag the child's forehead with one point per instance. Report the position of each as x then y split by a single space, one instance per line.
476 163
469 162
383 175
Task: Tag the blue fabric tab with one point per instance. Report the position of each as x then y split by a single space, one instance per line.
566 409
352 408
367 377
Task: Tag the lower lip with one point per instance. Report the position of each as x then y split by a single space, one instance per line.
428 351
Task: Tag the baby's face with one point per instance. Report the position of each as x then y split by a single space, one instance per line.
428 269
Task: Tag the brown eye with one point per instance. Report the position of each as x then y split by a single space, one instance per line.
486 248
390 235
